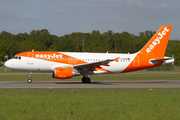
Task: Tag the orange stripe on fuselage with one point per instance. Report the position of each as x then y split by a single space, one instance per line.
101 69
143 63
52 57
59 58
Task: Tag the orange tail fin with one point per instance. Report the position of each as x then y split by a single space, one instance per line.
158 43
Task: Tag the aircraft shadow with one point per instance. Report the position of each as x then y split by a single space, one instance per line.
93 82
112 82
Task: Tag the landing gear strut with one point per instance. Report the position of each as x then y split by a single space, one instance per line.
30 76
86 80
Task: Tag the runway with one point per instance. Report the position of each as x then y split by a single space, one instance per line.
93 84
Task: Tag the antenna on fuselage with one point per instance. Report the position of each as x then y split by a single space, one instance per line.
33 50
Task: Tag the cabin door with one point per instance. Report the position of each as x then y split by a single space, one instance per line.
136 61
30 58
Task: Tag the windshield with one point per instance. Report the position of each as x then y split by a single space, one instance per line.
16 57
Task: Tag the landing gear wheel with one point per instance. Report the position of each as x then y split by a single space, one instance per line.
30 76
29 80
86 80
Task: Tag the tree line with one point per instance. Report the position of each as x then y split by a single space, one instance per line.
42 40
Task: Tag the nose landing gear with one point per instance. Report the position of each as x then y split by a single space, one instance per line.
30 76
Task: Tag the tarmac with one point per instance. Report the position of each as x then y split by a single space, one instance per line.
93 84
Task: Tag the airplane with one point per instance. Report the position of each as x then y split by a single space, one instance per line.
64 65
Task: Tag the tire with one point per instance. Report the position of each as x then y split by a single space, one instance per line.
86 80
29 80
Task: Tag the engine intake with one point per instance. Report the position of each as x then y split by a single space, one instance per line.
64 73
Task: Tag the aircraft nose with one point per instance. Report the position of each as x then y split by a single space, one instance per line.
7 64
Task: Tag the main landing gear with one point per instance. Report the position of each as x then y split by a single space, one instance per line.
30 76
86 80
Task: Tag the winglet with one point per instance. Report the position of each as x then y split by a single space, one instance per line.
116 59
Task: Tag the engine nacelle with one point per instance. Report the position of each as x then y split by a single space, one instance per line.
64 73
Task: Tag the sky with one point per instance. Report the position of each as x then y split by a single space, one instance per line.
62 17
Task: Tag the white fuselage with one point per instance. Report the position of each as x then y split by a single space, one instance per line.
44 65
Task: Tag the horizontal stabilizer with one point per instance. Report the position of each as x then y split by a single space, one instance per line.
166 60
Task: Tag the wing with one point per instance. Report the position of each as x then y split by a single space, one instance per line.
93 66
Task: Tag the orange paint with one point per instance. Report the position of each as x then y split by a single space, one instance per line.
143 63
154 49
101 69
158 43
62 73
116 59
53 57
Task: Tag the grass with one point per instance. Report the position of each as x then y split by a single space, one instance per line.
89 104
23 76
10 75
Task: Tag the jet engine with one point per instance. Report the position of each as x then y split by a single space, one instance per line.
64 73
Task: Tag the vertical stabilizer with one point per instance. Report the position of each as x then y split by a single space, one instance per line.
156 46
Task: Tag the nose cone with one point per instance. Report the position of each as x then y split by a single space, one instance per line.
8 64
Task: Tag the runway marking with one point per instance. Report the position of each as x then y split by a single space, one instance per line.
5 82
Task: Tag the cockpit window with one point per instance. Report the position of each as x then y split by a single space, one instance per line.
16 57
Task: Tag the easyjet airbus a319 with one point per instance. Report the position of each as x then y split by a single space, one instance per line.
64 65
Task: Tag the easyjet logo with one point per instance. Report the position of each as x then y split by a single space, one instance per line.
48 56
157 40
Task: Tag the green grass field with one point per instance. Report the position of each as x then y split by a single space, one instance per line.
89 104
142 75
